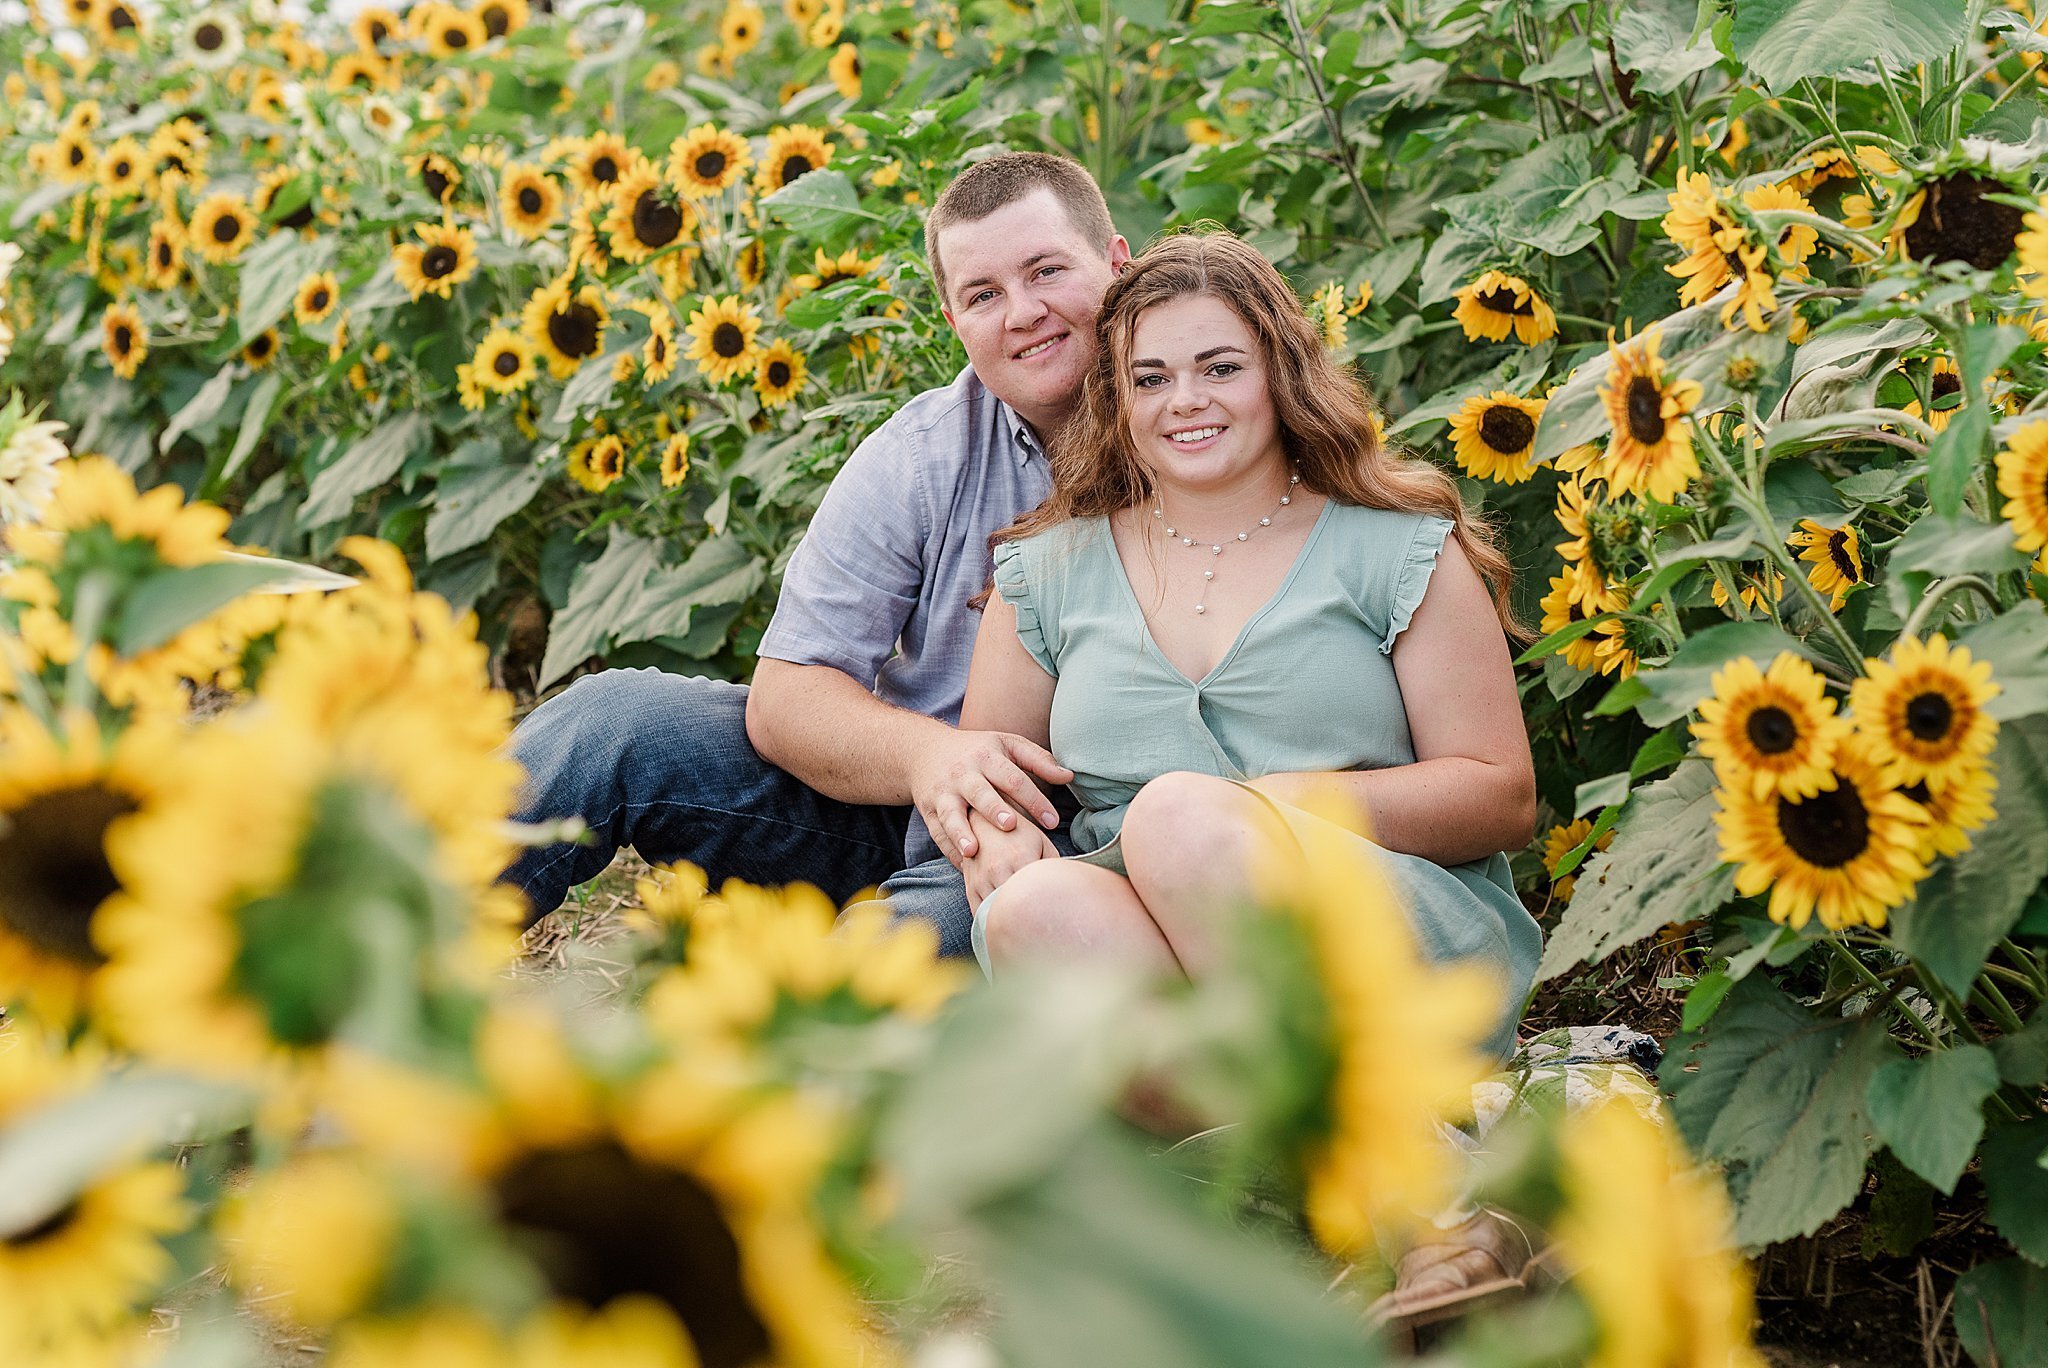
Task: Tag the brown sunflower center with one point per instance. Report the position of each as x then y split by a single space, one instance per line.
437 261
1645 410
226 228
656 222
260 348
603 1225
604 170
1771 730
1506 429
778 374
455 36
124 338
76 154
573 329
1956 222
123 168
53 869
1838 555
497 20
436 181
209 37
658 345
165 254
609 459
506 363
1828 830
727 340
530 200
120 17
1929 715
1919 793
379 31
49 1228
1946 383
794 166
710 165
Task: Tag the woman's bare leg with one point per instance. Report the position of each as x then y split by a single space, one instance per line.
1189 841
1062 909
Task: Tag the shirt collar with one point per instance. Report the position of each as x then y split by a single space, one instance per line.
1027 440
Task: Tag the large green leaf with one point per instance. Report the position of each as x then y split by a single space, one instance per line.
202 408
471 501
2016 1186
1654 39
1930 1110
2001 1313
1783 41
271 272
599 595
1664 866
1777 1096
255 421
2016 644
1962 909
1957 546
171 600
1677 687
719 571
1838 368
375 458
822 205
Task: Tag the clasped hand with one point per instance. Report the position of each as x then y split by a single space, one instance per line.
988 774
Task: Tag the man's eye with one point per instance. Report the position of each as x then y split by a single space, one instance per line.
1044 271
985 294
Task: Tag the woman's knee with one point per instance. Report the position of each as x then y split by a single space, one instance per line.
1182 821
1026 910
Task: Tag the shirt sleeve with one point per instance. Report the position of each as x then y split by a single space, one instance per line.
857 575
1016 583
1411 579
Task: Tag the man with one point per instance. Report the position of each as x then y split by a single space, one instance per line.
841 765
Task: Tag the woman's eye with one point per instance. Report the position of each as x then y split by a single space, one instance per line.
1146 381
1225 368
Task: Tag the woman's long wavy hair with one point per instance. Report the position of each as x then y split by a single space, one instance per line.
1325 422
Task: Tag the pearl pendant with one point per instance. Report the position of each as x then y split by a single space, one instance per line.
1201 608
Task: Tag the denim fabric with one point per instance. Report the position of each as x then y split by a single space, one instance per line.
661 762
935 892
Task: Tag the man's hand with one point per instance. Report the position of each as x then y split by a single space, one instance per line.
1002 853
987 773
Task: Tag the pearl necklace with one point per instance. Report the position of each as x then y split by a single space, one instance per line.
1216 548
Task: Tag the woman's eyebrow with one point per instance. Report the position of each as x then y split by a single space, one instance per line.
1200 357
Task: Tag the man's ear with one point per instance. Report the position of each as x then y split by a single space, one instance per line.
947 314
1119 253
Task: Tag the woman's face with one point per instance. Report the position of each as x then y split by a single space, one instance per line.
1201 412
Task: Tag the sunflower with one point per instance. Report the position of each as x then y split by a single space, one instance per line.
374 27
1650 453
1571 600
1561 841
84 1267
1772 731
1837 557
211 40
117 24
1944 391
722 338
316 298
1497 304
707 159
221 227
357 71
1751 591
1922 711
658 354
444 257
844 69
597 163
1954 809
69 156
1849 851
1329 310
530 200
568 328
1494 435
586 235
450 32
779 374
505 361
828 270
1618 646
2023 479
124 338
261 349
59 795
793 152
826 28
501 18
123 169
675 460
2033 249
1596 538
1831 162
311 1238
645 216
1950 219
438 176
740 28
596 463
273 184
751 265
163 261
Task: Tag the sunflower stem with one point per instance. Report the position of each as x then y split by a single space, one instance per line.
88 613
1951 1010
1995 1003
1887 992
1891 93
1827 116
2037 979
1304 52
1942 589
1769 219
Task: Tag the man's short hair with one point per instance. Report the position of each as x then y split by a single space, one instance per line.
1004 179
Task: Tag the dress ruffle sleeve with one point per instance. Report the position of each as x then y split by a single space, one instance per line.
1413 580
1014 581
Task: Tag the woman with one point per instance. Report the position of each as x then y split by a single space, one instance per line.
1233 595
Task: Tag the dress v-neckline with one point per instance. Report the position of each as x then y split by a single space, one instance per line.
1131 598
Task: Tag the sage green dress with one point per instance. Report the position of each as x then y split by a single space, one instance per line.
1308 685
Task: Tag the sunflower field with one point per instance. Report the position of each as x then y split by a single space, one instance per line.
365 374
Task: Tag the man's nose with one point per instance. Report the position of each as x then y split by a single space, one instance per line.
1023 310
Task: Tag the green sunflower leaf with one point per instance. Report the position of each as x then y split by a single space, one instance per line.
1677 687
1654 39
374 458
2001 1313
1785 41
2016 1186
470 502
1930 1109
2016 644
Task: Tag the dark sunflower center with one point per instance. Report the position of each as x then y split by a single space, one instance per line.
497 23
51 1226
1945 384
573 330
604 170
656 222
1771 730
609 459
710 165
208 37
1507 430
437 261
164 259
1645 410
260 348
124 338
1919 793
1838 555
226 228
741 32
506 363
604 1225
792 167
317 301
77 154
727 340
778 374
435 180
122 168
1507 302
119 17
379 31
1829 829
1929 716
455 36
54 872
1957 223
659 344
530 200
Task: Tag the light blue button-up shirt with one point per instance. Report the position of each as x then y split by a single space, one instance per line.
879 585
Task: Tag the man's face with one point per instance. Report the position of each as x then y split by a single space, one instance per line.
1023 287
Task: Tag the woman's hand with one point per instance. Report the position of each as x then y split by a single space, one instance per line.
1001 854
